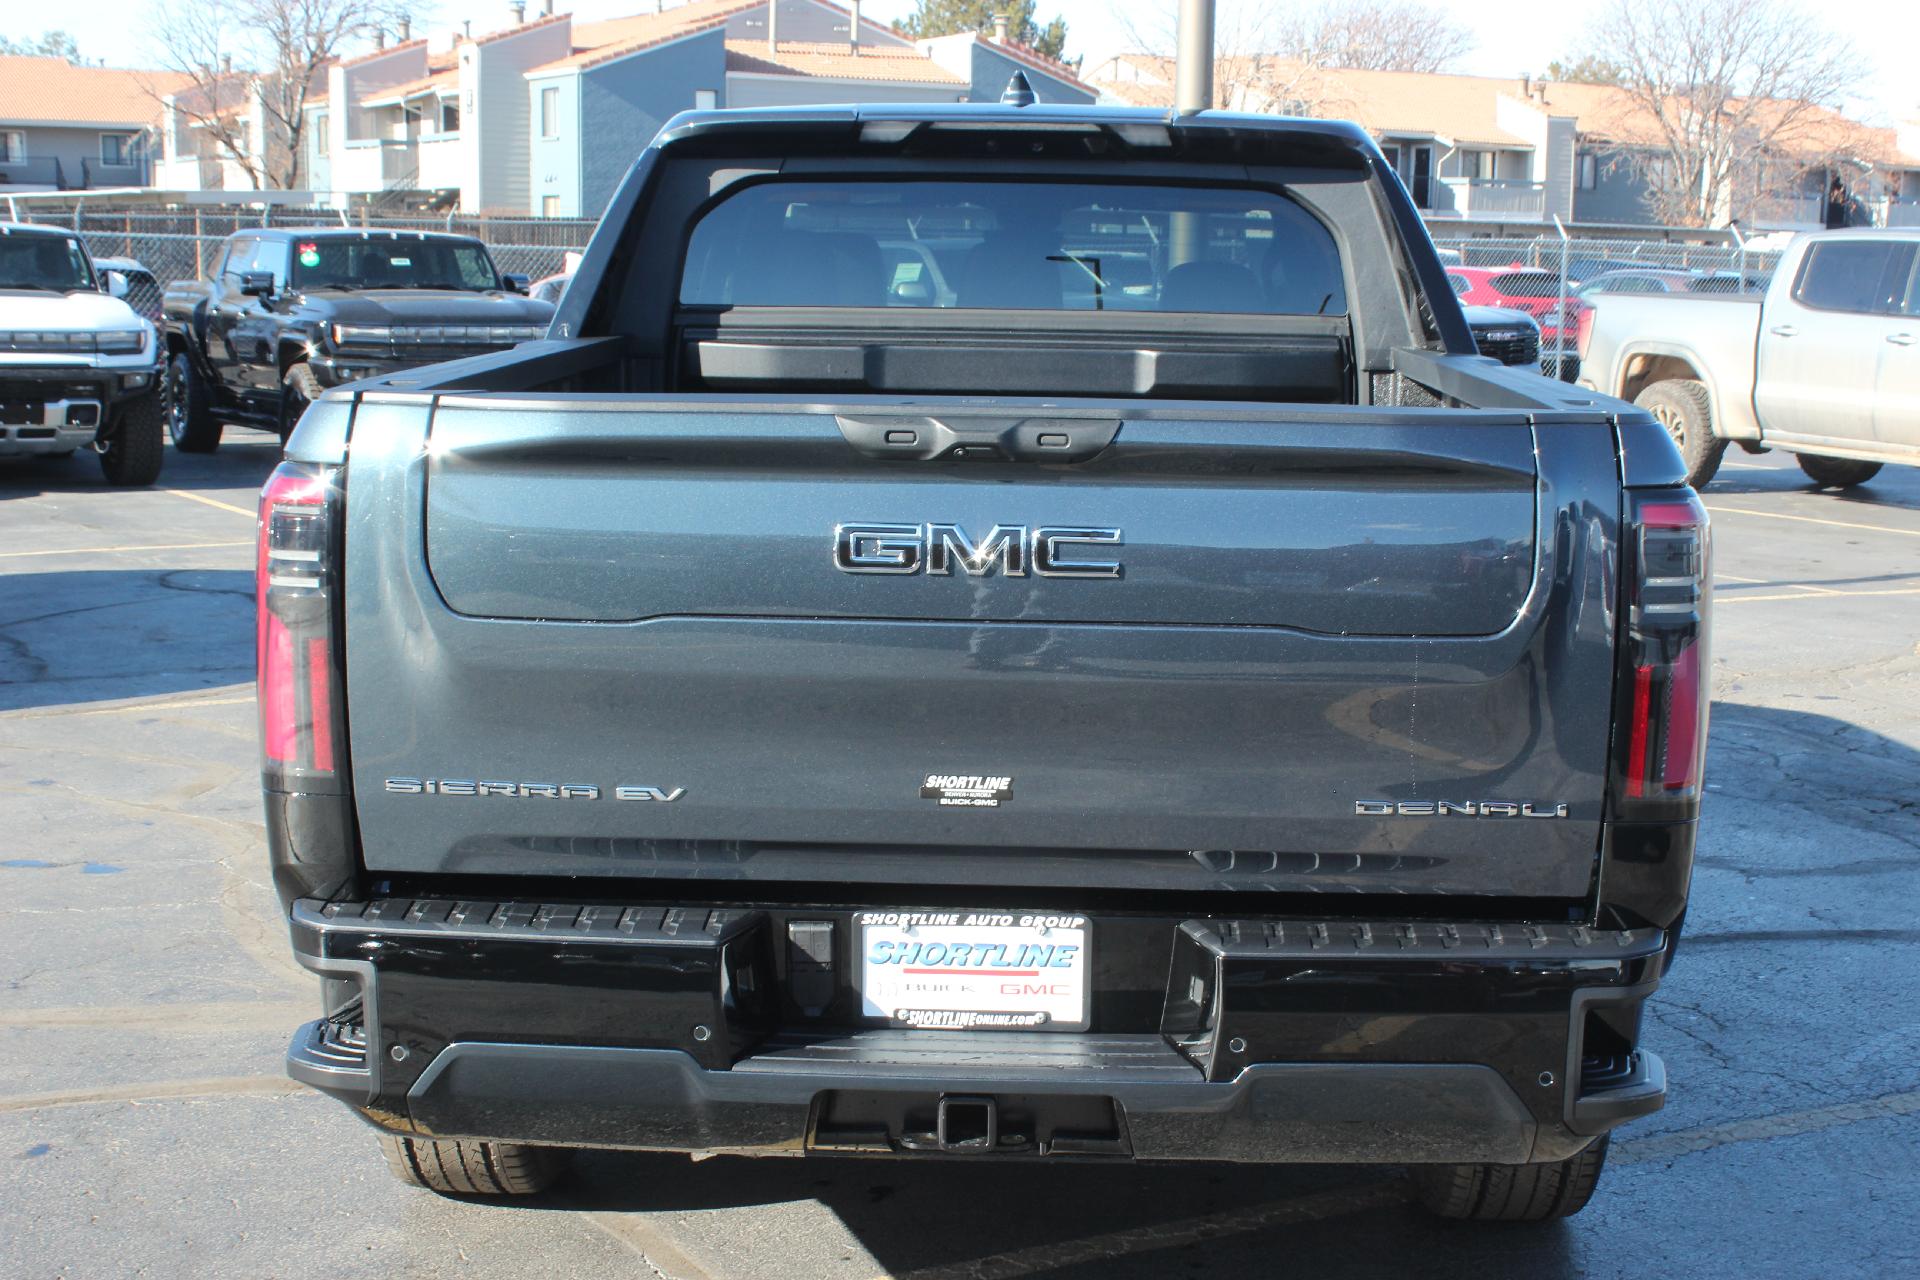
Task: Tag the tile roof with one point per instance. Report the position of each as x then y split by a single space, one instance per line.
1464 108
35 90
598 42
836 61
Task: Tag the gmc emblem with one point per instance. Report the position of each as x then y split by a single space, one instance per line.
1051 551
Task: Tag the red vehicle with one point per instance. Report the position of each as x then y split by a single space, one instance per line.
1533 290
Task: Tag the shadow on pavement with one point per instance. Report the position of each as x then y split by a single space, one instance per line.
97 635
243 460
941 1218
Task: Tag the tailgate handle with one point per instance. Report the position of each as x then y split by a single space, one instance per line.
923 438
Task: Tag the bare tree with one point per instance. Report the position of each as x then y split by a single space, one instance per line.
1732 90
1281 58
282 49
1370 35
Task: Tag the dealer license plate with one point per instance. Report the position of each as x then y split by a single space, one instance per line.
974 970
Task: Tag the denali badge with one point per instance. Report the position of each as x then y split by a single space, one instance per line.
938 548
1456 809
967 790
525 790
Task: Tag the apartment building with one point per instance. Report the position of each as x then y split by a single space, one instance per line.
1487 149
542 114
69 128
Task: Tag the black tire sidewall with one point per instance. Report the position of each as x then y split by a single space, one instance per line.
1699 449
135 447
197 432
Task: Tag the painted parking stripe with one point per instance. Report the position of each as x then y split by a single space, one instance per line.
109 551
1837 524
213 502
1805 594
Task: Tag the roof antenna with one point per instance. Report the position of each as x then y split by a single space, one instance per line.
1018 93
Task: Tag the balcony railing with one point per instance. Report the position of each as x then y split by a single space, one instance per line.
1495 198
56 174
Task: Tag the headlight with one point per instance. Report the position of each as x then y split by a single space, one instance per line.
73 341
349 335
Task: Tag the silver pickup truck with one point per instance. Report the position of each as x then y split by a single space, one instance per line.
1826 365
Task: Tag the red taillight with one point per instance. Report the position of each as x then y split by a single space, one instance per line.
1665 700
298 667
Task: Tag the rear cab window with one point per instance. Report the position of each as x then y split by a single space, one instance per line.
1865 277
1020 246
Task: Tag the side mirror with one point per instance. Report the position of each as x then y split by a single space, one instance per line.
257 284
117 283
515 281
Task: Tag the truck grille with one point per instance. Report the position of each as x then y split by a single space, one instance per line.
1524 349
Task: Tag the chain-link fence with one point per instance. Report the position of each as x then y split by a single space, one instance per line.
1554 278
185 244
1551 277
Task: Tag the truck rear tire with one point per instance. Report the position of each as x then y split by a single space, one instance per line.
1511 1192
1836 473
466 1168
189 414
1681 406
136 444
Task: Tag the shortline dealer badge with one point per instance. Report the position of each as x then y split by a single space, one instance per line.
967 790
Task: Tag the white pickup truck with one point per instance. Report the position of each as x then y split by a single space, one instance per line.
1826 365
79 368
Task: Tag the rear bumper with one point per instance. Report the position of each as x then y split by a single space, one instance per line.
1284 1041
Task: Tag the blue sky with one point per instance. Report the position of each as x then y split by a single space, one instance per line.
1509 41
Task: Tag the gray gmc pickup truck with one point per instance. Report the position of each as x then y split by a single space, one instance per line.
989 632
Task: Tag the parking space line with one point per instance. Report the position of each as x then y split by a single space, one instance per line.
1813 594
1838 524
107 551
1790 1124
213 502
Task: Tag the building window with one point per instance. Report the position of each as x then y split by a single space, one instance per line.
116 149
13 146
705 99
549 206
322 141
1589 171
449 115
1478 165
550 112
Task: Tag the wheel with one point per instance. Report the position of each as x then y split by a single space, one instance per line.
1512 1192
190 421
473 1168
1681 406
135 444
298 389
1836 473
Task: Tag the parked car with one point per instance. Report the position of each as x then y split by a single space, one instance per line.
1509 336
1536 292
1666 281
128 279
549 288
78 367
787 714
1825 365
289 312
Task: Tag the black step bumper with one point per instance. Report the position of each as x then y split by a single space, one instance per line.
1286 1041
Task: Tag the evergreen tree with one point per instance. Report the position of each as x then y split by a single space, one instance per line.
951 17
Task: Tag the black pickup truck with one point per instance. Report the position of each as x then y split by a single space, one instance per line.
995 632
287 312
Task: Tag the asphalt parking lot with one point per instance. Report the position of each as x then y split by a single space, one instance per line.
146 1129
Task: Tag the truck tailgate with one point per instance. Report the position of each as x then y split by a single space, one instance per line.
1231 649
